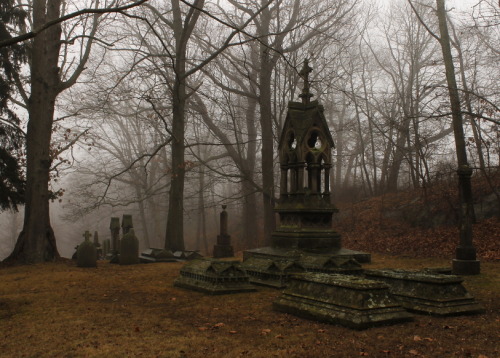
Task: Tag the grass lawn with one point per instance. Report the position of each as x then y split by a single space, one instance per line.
60 310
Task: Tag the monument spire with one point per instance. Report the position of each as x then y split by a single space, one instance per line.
304 73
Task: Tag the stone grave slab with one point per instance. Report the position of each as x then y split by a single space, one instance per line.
345 300
152 255
427 292
214 277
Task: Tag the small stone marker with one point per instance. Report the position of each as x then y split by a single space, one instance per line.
214 277
86 254
129 249
223 247
426 292
341 299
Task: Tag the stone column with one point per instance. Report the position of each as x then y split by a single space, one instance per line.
284 181
314 175
326 192
223 247
300 177
465 262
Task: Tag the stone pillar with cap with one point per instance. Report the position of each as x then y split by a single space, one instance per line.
465 262
223 246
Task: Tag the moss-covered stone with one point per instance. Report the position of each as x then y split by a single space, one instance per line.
346 300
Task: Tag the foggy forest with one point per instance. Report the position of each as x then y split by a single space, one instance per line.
168 110
271 178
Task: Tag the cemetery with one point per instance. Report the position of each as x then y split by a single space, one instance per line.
177 180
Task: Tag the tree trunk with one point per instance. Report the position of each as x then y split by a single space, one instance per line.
36 242
174 239
267 156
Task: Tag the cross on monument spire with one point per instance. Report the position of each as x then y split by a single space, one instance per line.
304 73
87 235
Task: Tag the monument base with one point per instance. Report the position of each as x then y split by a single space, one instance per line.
221 251
295 254
466 267
271 266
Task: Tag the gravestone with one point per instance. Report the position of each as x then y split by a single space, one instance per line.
129 249
346 300
427 292
223 246
114 227
214 277
126 224
86 254
304 208
97 244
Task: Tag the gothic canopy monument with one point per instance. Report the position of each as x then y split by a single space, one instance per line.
305 209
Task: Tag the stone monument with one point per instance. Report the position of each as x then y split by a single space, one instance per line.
214 277
223 246
126 224
114 226
304 208
129 249
86 253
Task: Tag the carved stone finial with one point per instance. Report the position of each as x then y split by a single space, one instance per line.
224 207
304 73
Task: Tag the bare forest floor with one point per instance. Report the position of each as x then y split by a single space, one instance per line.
422 223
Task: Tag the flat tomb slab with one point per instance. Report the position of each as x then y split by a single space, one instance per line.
295 254
427 292
214 277
346 300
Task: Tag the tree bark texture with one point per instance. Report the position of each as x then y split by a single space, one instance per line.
36 242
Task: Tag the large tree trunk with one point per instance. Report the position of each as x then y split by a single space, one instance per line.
175 225
36 242
266 124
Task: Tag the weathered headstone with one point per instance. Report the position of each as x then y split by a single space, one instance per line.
214 277
346 300
129 249
97 244
126 223
223 246
426 292
114 226
86 254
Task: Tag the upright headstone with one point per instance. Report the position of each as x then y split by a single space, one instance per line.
223 246
86 254
126 224
129 249
97 244
114 226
